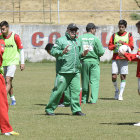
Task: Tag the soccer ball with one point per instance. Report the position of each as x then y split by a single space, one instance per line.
124 48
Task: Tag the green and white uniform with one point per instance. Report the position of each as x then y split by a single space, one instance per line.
90 66
68 73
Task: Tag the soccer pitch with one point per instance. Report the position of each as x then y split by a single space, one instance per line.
109 119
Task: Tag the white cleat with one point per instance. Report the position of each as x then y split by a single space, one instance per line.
120 98
116 95
137 124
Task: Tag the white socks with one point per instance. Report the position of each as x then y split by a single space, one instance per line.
116 86
13 98
122 87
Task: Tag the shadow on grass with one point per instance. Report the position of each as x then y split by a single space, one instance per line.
106 98
136 112
56 114
41 104
126 123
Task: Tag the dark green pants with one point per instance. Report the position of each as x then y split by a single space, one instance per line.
90 77
61 83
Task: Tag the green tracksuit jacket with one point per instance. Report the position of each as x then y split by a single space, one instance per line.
90 66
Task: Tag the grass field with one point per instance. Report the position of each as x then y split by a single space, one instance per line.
107 120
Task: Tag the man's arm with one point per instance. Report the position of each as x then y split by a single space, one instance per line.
111 45
20 47
100 48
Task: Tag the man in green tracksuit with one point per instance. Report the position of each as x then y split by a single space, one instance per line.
67 53
90 63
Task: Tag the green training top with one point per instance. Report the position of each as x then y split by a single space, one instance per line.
11 52
93 44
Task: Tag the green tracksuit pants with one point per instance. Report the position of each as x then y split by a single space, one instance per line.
67 97
61 83
90 77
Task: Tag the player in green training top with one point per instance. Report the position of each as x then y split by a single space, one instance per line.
13 52
90 63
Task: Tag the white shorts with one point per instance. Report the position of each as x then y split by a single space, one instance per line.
119 67
9 71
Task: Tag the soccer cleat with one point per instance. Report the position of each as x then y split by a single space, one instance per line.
137 124
13 133
120 98
116 95
13 102
79 113
61 105
50 114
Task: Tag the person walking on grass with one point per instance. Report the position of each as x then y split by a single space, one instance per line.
67 52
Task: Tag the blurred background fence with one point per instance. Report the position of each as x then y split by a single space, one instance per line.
103 12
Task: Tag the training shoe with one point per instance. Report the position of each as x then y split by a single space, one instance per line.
137 124
79 113
116 95
50 114
61 105
13 133
13 102
120 98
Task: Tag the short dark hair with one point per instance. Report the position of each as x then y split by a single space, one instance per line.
138 24
49 46
4 23
123 22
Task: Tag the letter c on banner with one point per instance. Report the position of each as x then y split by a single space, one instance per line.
56 34
34 39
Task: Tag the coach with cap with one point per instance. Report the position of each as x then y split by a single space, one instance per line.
90 64
67 53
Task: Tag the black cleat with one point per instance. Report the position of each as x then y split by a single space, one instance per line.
50 114
79 113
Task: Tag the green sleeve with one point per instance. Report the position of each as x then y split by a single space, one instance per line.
99 47
56 49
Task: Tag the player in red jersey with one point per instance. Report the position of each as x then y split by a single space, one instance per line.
119 64
5 127
13 49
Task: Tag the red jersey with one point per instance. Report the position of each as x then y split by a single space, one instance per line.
132 57
2 45
17 40
111 45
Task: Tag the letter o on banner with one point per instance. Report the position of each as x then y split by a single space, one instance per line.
51 37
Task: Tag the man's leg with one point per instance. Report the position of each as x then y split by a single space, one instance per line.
67 97
114 77
9 72
60 86
123 72
85 82
75 92
94 82
4 118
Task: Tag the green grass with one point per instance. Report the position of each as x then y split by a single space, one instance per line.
135 16
107 120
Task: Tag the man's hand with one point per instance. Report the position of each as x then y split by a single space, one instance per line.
66 50
22 67
85 52
121 42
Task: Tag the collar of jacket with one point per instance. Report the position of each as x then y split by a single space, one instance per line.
68 36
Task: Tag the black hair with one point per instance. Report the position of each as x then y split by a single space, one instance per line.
4 23
88 29
138 24
123 22
49 46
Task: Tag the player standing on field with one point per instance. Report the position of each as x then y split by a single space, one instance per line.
120 64
90 64
13 51
5 127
